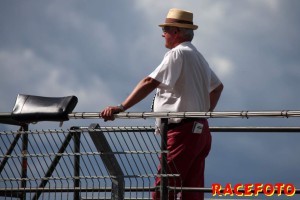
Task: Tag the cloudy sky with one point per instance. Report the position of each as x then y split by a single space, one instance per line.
99 50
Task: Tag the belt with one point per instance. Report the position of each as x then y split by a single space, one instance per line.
183 121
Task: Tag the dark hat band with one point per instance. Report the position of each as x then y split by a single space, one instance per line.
172 20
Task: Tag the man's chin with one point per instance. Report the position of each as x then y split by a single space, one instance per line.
168 46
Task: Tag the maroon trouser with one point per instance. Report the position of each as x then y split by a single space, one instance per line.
188 147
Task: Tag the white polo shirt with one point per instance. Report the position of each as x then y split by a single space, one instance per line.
186 81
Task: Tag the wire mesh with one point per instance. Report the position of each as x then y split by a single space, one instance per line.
65 164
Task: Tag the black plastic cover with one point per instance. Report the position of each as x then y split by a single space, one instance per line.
29 108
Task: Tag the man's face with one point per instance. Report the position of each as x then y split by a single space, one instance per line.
170 35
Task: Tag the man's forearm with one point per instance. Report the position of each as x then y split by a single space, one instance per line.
143 88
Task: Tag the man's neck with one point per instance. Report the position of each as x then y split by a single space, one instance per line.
179 42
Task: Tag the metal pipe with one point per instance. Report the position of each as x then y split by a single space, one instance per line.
164 161
76 136
222 114
145 129
265 129
248 129
106 189
24 159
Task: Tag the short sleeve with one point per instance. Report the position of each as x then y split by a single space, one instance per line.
169 69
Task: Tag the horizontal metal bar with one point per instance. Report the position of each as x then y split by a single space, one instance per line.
120 128
17 194
254 129
212 129
105 198
222 114
134 198
107 189
81 154
72 189
6 118
143 129
88 177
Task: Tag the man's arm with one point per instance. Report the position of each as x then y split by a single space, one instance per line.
215 96
143 88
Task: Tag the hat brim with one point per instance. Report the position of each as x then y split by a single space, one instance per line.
179 25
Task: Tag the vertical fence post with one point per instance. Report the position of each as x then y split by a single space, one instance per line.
24 159
76 137
164 161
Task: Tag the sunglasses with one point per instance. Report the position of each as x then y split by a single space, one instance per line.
166 29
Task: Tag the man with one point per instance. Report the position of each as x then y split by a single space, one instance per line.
184 82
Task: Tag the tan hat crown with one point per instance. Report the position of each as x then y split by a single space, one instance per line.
179 18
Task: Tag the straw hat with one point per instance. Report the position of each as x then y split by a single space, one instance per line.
179 18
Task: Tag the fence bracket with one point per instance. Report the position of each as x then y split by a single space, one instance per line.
109 161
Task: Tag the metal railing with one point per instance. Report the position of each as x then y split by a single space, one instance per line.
100 162
235 114
79 163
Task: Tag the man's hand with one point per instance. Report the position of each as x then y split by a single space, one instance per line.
108 113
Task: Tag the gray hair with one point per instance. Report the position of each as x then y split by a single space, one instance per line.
187 34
